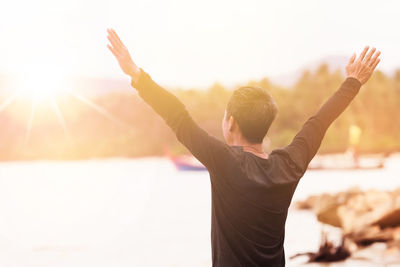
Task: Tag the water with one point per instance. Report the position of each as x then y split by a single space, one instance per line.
142 212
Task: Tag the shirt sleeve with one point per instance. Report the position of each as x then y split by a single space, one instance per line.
207 149
307 141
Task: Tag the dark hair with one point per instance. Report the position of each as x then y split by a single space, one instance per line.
253 109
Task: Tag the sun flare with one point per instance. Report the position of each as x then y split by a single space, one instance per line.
43 86
43 81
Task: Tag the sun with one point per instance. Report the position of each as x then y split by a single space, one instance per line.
43 84
43 81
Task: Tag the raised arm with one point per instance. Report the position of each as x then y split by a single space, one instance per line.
203 146
307 142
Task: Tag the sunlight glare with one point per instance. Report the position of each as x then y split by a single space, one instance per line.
43 81
61 119
8 101
30 121
99 109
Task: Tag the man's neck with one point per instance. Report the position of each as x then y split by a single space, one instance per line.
255 149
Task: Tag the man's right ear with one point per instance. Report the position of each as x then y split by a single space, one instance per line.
232 124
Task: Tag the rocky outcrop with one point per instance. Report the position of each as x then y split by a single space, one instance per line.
354 209
365 218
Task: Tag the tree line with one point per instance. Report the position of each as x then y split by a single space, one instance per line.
126 127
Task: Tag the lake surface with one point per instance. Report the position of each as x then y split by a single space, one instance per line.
138 212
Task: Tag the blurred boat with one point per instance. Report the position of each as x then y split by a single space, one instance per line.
187 163
344 162
321 167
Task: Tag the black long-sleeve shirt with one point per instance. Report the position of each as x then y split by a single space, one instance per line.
250 195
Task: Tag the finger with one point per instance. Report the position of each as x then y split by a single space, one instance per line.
112 50
375 64
362 55
111 35
369 55
113 40
375 57
114 43
115 53
353 57
115 35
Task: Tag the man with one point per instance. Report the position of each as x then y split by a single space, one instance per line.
251 190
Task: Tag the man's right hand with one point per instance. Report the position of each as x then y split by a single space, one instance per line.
122 55
362 68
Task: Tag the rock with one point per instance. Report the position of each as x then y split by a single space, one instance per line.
368 235
365 219
391 219
354 209
364 209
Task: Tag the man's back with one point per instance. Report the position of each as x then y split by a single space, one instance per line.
249 210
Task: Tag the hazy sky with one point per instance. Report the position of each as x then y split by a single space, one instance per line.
193 43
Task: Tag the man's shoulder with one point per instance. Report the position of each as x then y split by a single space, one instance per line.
281 161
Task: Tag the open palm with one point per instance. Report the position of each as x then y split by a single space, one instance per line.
364 66
122 55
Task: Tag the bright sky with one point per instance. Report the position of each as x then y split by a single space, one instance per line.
192 43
